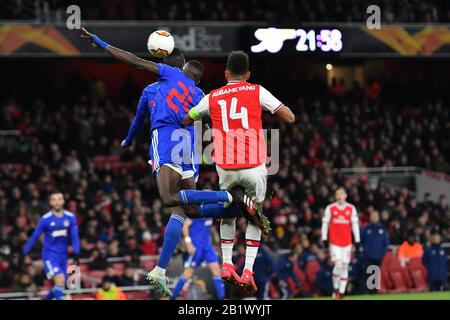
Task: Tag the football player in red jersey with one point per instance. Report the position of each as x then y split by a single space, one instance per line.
339 221
240 153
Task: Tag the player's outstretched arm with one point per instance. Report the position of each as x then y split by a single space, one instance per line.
197 112
119 54
32 240
285 114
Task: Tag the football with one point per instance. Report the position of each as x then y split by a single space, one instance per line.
160 43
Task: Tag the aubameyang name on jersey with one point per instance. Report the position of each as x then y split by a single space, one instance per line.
234 90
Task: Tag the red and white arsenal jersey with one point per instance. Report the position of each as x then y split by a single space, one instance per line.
235 110
340 219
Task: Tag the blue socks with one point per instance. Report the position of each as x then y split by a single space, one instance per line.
178 287
217 211
58 292
49 295
220 288
201 197
172 236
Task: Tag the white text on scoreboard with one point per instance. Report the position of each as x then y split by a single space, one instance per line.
272 39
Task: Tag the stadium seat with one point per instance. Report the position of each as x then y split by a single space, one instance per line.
137 295
399 276
311 270
306 287
418 275
84 296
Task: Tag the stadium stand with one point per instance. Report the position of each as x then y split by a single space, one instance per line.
231 10
121 217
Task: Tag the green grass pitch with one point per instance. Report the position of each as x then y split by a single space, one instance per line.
445 295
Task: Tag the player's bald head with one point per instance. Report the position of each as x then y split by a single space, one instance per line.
175 59
194 70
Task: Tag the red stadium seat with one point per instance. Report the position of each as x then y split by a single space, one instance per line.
137 295
418 275
84 296
306 286
398 275
311 270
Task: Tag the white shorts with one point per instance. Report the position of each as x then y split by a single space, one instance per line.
341 254
252 180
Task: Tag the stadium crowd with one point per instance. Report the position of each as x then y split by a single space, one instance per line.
76 149
249 10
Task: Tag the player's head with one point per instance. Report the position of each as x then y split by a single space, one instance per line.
341 195
194 70
56 200
175 59
237 66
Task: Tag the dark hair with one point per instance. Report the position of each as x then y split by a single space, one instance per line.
196 69
238 63
175 59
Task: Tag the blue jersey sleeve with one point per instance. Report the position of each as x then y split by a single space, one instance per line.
166 71
32 240
74 236
141 114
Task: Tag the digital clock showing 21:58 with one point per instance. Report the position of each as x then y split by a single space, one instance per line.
273 39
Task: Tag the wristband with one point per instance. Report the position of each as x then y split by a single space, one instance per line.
102 44
194 114
188 239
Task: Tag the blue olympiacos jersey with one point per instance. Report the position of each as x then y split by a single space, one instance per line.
144 109
58 232
200 231
177 94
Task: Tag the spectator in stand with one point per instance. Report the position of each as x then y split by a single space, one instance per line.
128 278
410 249
109 291
435 261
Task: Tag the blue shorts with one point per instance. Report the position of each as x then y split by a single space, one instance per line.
175 148
205 253
54 263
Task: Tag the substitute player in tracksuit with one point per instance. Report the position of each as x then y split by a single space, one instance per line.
435 261
59 227
340 220
374 241
197 237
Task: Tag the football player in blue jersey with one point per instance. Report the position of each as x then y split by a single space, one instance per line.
197 237
59 228
172 155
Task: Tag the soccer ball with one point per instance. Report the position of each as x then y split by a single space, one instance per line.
160 43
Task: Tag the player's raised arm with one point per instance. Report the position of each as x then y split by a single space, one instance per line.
120 54
138 121
275 106
197 112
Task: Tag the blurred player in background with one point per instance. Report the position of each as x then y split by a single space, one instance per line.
339 221
235 110
174 166
58 226
197 237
